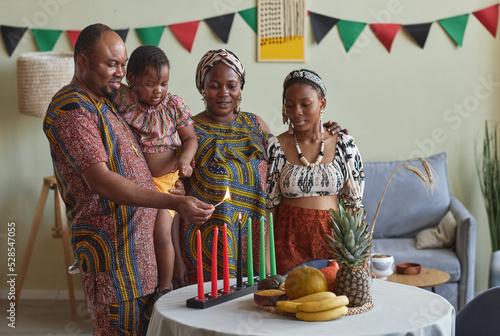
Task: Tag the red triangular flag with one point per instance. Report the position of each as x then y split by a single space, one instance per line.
73 36
385 32
185 33
489 18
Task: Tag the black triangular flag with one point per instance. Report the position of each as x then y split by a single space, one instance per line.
221 25
11 37
419 32
123 33
321 25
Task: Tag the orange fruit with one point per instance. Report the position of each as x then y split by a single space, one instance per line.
304 280
330 273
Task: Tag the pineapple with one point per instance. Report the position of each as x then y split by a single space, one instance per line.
351 246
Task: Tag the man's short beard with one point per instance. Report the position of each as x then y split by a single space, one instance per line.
111 95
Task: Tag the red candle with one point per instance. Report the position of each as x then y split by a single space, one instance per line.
214 262
225 266
201 293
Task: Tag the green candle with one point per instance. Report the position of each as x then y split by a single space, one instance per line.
249 254
271 245
262 250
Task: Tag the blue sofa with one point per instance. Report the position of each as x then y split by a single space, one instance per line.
409 208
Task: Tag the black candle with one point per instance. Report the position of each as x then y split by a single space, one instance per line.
239 270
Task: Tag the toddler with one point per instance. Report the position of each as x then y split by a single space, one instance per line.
162 123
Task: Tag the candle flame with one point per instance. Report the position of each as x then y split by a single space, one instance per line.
227 196
239 215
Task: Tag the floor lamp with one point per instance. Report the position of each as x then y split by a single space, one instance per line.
39 76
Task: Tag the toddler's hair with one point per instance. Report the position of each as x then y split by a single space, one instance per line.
144 57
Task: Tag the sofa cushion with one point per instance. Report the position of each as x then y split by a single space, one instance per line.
404 250
442 236
408 207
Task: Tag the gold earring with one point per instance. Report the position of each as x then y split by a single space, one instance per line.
237 108
204 99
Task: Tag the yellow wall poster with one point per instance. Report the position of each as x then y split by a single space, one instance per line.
281 25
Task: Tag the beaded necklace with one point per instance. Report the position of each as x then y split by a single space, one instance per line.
302 157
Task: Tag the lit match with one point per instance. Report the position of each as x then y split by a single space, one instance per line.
227 196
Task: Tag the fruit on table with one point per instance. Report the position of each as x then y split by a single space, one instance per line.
304 280
325 304
330 273
268 297
280 278
268 283
288 306
325 315
351 244
316 296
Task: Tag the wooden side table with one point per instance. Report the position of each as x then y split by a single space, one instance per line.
428 277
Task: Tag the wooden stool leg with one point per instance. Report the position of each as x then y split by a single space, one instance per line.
61 222
31 241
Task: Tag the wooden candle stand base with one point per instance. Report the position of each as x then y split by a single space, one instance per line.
235 292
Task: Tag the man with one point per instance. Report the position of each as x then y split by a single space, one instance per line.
107 187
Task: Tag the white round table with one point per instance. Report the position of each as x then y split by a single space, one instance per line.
398 310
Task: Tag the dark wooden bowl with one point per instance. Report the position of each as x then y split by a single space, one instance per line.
408 268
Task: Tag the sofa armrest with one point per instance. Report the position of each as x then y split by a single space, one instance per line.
465 247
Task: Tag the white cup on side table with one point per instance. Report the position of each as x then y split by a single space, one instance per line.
382 265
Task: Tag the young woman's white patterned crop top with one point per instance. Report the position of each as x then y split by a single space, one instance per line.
343 176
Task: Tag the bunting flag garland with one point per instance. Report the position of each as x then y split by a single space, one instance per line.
73 36
455 27
321 25
250 17
489 18
221 25
185 33
349 32
123 33
45 38
385 32
11 37
419 32
151 35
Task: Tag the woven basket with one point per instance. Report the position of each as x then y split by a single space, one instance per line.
39 76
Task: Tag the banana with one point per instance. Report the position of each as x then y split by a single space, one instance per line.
326 315
315 297
325 304
288 306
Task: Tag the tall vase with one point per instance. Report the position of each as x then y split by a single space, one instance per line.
494 279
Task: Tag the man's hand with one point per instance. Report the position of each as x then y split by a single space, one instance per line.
334 127
193 210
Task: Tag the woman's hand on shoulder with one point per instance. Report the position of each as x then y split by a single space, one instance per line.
334 128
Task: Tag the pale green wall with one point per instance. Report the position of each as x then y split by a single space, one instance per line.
396 105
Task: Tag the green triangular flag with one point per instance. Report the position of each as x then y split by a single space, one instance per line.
46 38
349 32
455 27
151 35
250 17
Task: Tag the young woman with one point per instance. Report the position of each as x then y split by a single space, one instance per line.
309 171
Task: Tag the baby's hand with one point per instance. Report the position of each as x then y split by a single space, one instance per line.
185 169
